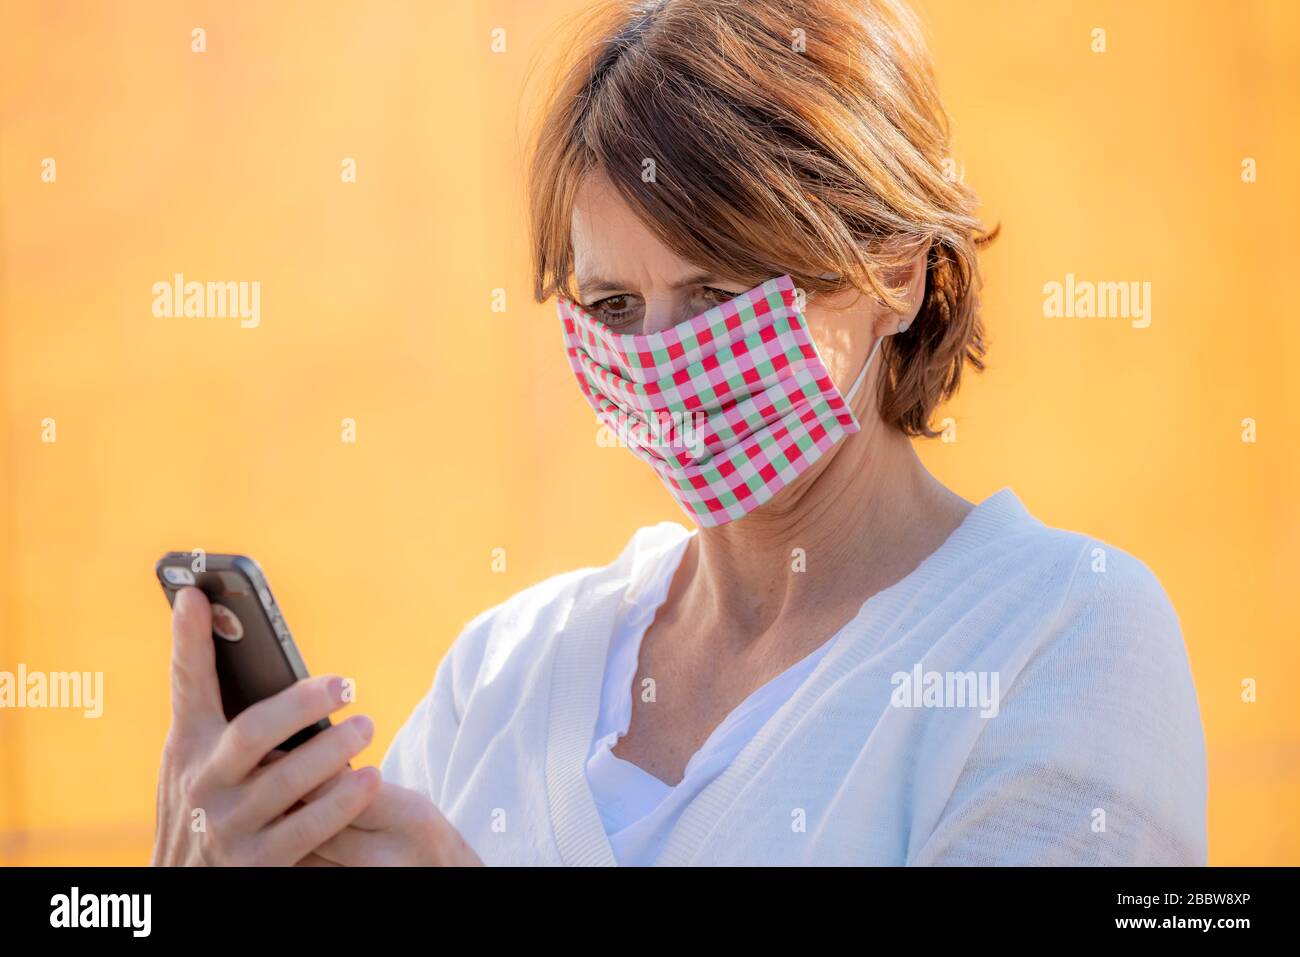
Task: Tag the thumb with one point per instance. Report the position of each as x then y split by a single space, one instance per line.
196 695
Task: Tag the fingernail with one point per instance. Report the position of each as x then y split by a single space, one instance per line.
364 726
336 689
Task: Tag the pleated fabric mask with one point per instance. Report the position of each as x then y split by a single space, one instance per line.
729 407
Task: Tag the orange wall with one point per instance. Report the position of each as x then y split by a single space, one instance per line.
376 305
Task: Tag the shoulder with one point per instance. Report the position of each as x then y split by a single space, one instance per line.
1101 712
1106 602
1105 625
1095 754
1078 583
519 631
1116 647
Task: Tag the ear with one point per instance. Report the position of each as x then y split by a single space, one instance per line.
909 279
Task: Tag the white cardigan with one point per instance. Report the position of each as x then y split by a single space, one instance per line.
1095 754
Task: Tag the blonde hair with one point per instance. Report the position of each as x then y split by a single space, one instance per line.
772 156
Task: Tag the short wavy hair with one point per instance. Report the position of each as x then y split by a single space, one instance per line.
788 136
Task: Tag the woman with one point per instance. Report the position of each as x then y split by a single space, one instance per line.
845 662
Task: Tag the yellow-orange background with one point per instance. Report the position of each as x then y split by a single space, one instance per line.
376 305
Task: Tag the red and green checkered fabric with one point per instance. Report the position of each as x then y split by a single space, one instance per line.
752 404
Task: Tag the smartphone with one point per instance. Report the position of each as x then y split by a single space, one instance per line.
256 656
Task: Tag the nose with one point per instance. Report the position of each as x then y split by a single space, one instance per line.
661 314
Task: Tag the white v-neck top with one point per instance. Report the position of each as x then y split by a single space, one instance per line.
1089 749
637 809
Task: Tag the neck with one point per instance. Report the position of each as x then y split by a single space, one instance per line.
856 524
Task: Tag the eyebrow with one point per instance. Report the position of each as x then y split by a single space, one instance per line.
594 284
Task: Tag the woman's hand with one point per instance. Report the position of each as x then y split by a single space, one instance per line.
401 828
220 799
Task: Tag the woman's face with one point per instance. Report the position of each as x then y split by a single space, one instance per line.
633 283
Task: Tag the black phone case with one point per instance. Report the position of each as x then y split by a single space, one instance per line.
264 660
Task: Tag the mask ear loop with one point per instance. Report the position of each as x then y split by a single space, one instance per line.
866 366
862 376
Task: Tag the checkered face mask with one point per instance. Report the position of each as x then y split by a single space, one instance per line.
729 407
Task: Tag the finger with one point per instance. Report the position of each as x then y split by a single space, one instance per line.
323 789
196 694
256 730
295 836
396 845
272 757
393 806
315 860
311 795
353 847
276 787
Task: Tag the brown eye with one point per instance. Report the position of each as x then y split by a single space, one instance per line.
614 310
710 297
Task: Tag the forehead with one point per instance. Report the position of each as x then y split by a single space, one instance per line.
611 242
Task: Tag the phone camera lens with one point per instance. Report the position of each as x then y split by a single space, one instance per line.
178 576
